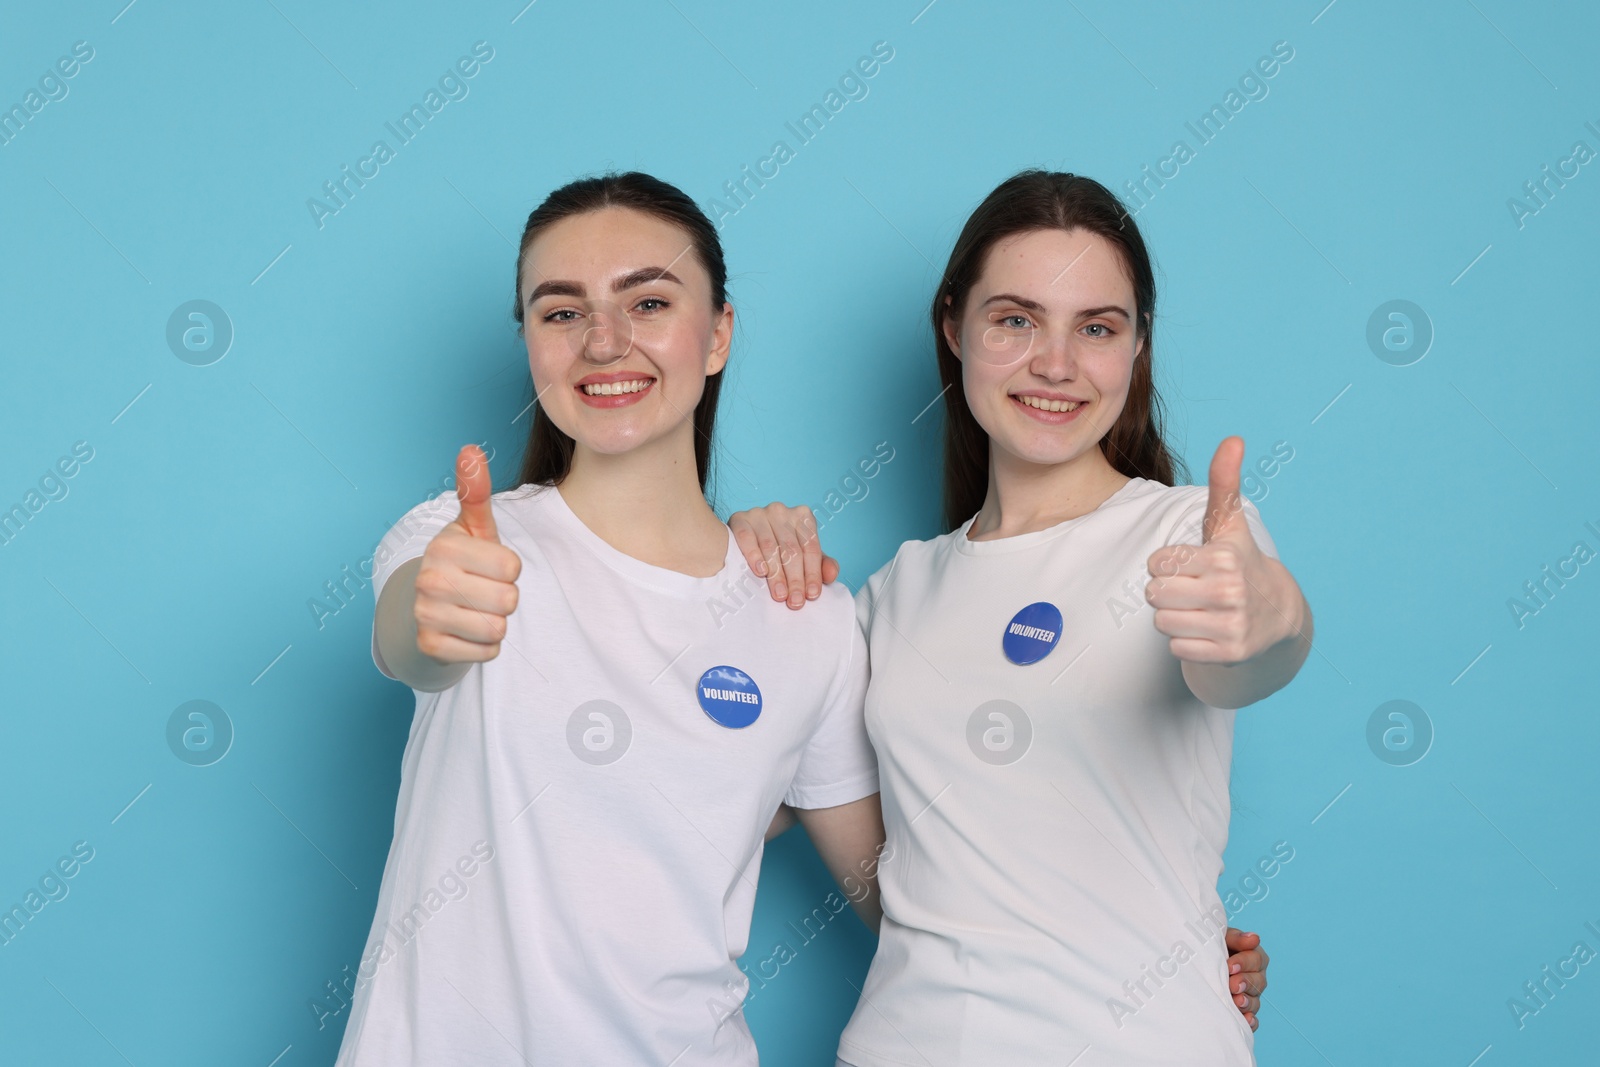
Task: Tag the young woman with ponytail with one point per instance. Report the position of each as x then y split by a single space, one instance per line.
595 756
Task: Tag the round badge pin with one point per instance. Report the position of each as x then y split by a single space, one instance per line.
1032 633
729 696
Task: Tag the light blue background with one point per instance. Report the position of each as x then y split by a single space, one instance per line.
180 565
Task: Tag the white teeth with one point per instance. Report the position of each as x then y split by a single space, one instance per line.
632 385
1050 405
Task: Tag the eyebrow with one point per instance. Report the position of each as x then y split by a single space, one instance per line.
1034 305
621 283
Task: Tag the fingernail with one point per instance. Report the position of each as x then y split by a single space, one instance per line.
812 592
780 593
1233 968
761 568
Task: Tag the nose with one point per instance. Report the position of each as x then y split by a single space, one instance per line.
607 335
1054 356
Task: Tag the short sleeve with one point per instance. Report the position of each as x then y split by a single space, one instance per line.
864 598
407 539
838 764
867 596
1258 530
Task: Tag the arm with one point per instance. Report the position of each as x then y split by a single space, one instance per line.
442 612
397 635
1274 596
782 822
849 838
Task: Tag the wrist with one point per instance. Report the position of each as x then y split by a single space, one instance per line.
1290 607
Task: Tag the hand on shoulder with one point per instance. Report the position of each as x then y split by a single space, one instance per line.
780 544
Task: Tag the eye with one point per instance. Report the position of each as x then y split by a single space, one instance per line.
560 315
1016 322
1099 326
656 300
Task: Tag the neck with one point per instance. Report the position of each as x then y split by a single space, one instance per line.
647 503
1024 497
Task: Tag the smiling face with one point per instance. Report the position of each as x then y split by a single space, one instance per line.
620 329
1047 344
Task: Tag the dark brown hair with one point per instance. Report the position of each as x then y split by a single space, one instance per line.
548 457
1047 200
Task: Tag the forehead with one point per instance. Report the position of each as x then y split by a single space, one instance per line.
596 246
1057 267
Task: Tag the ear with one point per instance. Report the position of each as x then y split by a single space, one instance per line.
721 341
950 328
1144 337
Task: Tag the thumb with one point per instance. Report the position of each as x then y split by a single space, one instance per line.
1240 941
1223 507
474 489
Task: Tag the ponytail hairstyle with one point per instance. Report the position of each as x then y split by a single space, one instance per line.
547 460
1048 200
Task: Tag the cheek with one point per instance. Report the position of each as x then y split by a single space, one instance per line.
1110 373
548 359
985 389
678 350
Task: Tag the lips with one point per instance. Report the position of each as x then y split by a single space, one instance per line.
614 390
1045 403
1049 409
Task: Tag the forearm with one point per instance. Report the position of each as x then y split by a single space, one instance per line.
396 623
861 890
850 840
1239 685
781 823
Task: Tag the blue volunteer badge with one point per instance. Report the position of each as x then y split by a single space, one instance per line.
729 696
1032 633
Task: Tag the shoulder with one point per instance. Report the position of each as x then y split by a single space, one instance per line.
833 610
426 517
822 633
529 494
912 555
917 552
1180 505
516 510
527 501
1169 506
916 558
1179 512
1149 496
443 507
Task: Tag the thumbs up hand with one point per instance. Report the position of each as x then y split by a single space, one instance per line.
466 587
1223 601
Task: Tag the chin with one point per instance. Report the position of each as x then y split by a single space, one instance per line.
614 443
1048 457
1041 449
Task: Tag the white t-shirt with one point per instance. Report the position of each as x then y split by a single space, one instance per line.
1056 802
577 839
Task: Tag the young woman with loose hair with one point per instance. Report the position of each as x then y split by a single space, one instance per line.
1053 680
